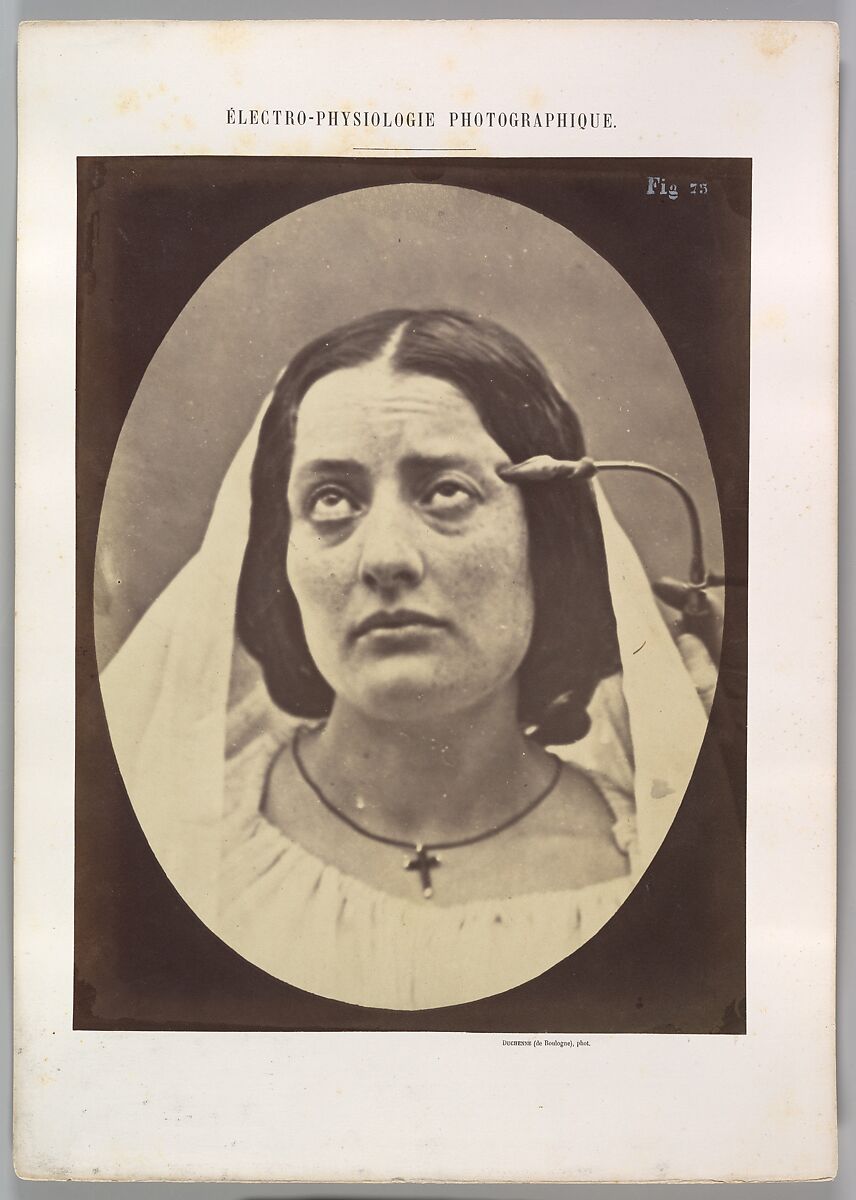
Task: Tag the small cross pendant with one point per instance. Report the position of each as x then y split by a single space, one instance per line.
424 862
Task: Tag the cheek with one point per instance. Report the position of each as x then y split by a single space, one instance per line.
494 583
315 575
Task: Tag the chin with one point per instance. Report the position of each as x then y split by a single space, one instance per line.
413 696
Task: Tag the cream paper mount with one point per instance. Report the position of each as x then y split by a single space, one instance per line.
187 222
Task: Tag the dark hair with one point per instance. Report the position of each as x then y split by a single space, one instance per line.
574 642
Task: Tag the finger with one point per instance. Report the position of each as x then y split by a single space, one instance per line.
699 666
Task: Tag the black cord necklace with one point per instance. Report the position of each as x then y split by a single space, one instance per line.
422 856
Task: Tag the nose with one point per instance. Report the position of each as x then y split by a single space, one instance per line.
389 555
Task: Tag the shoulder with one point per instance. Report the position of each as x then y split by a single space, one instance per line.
576 806
257 734
253 720
577 822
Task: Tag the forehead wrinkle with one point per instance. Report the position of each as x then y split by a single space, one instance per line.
364 406
393 434
369 410
410 397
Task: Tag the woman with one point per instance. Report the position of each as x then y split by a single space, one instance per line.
389 828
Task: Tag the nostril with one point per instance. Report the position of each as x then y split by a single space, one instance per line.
389 574
389 559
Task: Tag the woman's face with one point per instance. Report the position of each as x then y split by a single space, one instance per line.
408 555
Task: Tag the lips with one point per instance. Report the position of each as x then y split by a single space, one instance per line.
399 618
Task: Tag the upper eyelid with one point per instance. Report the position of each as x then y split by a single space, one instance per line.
428 474
315 493
465 485
329 485
309 500
309 489
310 477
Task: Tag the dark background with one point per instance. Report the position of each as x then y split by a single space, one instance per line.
150 232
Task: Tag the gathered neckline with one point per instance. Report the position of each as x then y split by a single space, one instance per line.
248 773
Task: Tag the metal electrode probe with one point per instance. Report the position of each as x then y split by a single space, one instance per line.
688 597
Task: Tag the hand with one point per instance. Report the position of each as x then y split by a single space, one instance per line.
699 638
699 665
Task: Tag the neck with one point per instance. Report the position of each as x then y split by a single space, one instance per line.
426 782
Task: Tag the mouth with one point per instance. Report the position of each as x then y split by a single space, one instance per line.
394 620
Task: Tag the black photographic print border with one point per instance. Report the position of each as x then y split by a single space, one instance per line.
150 232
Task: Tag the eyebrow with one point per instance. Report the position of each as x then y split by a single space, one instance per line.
441 462
330 466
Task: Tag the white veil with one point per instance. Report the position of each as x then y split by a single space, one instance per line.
167 694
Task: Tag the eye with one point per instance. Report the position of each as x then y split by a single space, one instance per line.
448 497
331 504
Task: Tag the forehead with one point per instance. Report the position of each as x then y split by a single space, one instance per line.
371 410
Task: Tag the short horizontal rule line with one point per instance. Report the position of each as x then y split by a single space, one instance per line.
410 149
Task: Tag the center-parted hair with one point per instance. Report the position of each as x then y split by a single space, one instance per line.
574 643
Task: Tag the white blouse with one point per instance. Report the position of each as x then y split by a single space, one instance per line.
307 922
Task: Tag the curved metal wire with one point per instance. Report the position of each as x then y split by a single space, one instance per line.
544 467
698 572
